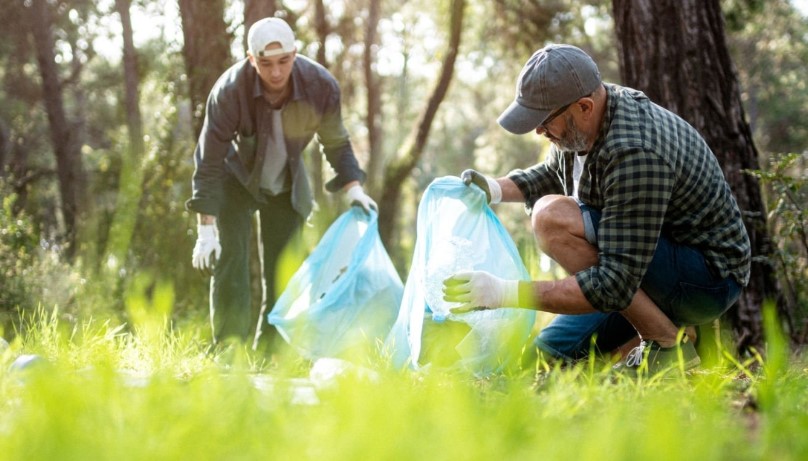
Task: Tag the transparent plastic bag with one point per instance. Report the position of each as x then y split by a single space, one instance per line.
345 296
457 230
455 255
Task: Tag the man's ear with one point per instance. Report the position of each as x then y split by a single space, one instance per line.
251 58
586 105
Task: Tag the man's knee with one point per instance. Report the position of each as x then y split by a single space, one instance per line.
555 216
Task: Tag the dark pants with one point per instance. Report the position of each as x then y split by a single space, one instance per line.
678 280
230 300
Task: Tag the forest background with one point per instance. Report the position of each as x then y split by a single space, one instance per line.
101 103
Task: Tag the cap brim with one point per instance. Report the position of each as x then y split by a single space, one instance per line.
518 119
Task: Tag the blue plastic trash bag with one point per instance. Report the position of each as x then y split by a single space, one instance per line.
457 230
345 296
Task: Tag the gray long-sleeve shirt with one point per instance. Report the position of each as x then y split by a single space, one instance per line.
238 124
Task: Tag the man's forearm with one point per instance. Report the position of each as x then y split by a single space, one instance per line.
510 192
558 296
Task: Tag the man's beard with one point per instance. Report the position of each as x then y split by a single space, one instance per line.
573 140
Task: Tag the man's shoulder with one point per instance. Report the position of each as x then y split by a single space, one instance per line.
635 107
312 73
639 124
240 75
624 92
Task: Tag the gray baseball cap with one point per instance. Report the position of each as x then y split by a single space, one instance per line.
553 77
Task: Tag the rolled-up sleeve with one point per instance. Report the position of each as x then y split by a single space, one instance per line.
539 180
638 186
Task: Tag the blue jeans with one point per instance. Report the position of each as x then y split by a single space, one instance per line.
678 280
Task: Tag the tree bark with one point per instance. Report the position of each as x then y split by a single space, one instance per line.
255 10
413 148
322 29
131 78
676 52
374 101
5 147
206 50
68 157
131 174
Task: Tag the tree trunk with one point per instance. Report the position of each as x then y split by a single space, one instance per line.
255 10
676 52
5 147
412 149
374 100
131 78
68 159
206 50
322 29
131 175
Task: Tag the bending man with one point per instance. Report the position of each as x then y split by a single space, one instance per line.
630 201
260 115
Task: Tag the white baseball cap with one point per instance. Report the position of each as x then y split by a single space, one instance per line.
270 30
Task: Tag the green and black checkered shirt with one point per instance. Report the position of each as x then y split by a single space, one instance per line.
650 173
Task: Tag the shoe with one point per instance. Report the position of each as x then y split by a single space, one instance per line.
650 358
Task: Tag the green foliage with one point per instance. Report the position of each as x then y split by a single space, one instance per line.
786 185
770 49
19 241
102 392
31 271
738 13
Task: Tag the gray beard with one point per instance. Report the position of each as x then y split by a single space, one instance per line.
574 140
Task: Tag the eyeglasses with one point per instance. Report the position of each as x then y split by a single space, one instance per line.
553 115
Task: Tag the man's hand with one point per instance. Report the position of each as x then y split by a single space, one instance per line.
479 290
493 192
207 248
357 196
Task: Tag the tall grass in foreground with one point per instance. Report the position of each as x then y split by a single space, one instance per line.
105 393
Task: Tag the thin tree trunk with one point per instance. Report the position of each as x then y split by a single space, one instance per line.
412 149
676 52
5 147
374 101
131 175
131 79
322 29
255 10
68 158
206 50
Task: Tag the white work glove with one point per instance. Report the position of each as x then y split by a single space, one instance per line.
492 189
357 196
207 248
479 290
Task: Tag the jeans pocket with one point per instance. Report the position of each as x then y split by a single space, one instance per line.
697 304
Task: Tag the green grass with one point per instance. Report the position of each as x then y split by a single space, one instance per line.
147 392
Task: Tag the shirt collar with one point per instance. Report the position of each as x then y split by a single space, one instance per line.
611 106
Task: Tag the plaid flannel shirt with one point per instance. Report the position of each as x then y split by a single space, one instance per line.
650 173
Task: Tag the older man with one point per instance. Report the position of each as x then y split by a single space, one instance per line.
631 202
